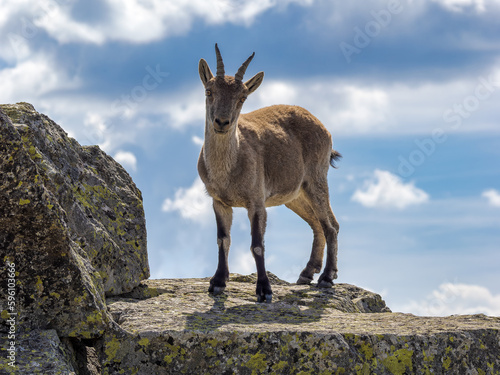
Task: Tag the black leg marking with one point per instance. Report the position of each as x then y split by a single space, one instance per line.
330 271
224 218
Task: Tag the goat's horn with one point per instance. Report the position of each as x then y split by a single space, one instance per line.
241 71
220 64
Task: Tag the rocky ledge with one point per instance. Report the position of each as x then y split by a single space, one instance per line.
176 327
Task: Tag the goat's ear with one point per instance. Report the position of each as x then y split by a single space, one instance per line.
253 83
205 72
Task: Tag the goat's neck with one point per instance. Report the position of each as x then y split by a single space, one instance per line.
220 153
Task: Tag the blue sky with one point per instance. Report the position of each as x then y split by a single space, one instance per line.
408 89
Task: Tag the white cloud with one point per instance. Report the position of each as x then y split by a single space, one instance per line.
95 122
33 78
59 24
241 261
192 203
493 197
339 18
387 190
126 159
462 5
456 298
197 140
277 92
16 29
184 109
135 21
139 21
365 108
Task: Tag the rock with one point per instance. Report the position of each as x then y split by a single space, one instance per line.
346 329
39 352
72 223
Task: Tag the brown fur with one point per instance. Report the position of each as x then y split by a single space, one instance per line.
272 156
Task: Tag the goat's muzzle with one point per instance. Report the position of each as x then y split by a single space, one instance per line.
221 126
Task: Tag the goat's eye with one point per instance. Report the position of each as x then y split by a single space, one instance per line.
208 93
242 100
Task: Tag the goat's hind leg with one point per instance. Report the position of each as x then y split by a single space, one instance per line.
318 197
329 274
302 208
224 218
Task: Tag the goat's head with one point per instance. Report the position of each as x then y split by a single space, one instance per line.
225 95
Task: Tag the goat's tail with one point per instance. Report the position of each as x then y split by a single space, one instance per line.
335 155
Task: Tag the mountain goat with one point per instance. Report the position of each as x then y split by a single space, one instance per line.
272 156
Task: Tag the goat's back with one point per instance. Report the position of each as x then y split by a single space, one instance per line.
284 129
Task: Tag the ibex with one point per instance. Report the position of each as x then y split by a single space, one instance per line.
272 156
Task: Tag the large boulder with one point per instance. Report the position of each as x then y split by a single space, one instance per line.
72 223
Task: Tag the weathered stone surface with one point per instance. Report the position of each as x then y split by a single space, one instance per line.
72 222
38 352
182 329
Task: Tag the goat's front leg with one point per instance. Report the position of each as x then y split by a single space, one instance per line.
258 217
224 217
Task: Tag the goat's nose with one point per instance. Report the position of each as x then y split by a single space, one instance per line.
221 122
221 125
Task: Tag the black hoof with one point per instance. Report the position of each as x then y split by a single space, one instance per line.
325 282
303 280
216 286
267 298
264 292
